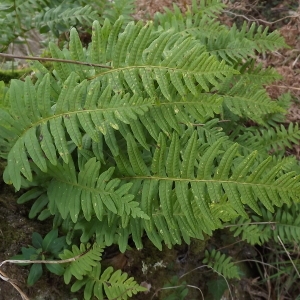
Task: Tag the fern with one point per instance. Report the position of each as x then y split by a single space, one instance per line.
19 17
62 17
114 284
115 9
285 223
221 264
137 144
86 258
271 138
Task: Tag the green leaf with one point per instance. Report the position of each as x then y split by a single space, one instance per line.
35 274
49 239
55 269
37 240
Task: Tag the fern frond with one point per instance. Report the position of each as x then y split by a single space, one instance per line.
117 8
285 223
225 45
89 193
115 284
41 130
86 257
221 264
252 233
198 10
251 103
233 45
262 41
184 188
277 138
184 65
62 17
256 74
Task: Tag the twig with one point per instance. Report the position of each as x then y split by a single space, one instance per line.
256 261
285 87
207 266
4 277
20 261
178 286
288 254
55 60
260 20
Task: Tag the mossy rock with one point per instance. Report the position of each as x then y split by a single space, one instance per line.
8 75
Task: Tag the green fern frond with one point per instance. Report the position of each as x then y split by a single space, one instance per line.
41 130
225 45
62 17
89 193
85 258
262 41
252 233
183 66
256 74
233 45
115 284
117 8
221 264
185 187
274 139
251 103
198 10
285 223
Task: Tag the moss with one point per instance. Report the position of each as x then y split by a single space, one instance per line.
8 75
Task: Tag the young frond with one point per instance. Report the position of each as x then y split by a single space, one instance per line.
115 284
221 264
85 258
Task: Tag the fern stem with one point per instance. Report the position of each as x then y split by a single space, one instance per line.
54 60
251 223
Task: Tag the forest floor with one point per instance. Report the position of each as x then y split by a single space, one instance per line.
175 268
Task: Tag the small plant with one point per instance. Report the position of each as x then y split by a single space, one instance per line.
180 289
43 249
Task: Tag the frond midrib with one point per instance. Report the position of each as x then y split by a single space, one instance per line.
77 112
107 110
84 187
225 70
174 179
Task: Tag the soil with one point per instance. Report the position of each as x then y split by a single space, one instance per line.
174 267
